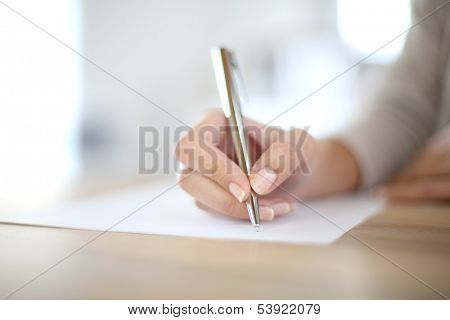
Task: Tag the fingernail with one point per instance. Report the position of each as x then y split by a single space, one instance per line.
281 208
266 213
263 180
237 191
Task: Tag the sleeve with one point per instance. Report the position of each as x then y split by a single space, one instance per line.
403 112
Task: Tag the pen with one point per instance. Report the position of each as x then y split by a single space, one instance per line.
229 84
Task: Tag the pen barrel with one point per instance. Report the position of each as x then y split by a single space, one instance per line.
225 68
238 136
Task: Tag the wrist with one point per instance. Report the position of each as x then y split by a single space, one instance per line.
334 170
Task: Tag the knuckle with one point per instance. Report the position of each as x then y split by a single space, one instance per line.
232 207
185 183
184 150
198 204
212 112
219 175
201 206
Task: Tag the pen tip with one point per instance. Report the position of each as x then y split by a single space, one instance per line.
257 227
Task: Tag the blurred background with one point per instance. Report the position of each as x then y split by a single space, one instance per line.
69 120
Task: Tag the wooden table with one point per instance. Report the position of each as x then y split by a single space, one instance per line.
415 238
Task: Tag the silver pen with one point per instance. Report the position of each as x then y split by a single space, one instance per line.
231 93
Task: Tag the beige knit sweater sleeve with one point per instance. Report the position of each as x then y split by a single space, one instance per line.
403 113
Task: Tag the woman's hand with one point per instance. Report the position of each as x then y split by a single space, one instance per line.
216 182
427 176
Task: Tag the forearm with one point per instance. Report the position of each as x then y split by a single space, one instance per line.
403 111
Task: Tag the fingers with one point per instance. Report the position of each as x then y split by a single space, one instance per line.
211 197
198 151
266 213
432 160
218 184
422 189
287 153
424 165
280 206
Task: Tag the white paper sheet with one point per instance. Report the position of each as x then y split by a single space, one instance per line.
174 213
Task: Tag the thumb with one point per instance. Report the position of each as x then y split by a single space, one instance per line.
283 158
